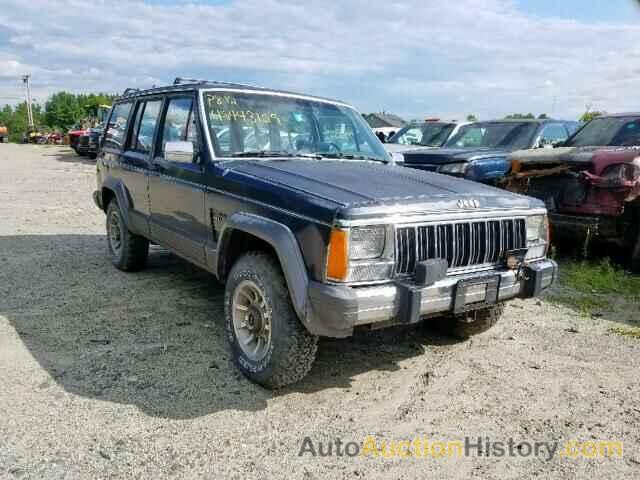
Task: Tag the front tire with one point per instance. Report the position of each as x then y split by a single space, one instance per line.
269 344
128 252
472 323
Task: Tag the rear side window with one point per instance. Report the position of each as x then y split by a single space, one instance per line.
117 128
145 125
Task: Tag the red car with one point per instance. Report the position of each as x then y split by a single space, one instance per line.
74 138
591 183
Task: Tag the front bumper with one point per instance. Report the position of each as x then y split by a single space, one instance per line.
336 310
565 225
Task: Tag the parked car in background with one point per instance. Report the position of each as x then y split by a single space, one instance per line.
428 134
478 151
591 183
88 142
300 211
74 136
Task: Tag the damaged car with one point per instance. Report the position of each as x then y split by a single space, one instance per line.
478 151
301 213
590 184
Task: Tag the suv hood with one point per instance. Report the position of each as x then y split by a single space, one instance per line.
441 156
398 147
350 189
576 156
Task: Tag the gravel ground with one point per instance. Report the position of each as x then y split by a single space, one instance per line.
114 375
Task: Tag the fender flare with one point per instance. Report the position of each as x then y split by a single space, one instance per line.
283 241
120 192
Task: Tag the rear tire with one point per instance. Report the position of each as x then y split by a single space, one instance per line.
269 344
472 323
128 252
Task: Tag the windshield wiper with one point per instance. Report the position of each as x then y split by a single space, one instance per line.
349 156
274 154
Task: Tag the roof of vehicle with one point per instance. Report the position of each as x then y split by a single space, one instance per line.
431 122
183 84
629 114
524 120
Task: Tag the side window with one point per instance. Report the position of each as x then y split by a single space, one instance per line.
553 133
412 136
117 127
180 123
145 125
629 134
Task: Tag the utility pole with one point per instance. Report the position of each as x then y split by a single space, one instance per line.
26 80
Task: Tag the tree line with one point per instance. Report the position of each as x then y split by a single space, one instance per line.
61 112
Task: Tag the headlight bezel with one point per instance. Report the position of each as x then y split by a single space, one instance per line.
363 268
537 236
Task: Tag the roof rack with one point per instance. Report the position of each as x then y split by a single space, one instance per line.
129 90
182 80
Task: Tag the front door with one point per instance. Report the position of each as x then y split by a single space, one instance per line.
176 183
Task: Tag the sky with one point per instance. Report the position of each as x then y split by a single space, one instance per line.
416 58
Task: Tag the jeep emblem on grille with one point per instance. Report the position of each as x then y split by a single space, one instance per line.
465 203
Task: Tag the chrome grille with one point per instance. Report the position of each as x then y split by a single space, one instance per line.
462 244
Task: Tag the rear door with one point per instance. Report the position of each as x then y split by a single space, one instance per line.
121 164
136 159
177 186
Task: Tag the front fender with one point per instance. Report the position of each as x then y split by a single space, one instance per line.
283 241
482 170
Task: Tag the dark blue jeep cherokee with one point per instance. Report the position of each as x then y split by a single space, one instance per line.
292 201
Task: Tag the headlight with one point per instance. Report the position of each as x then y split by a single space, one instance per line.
537 229
537 236
366 242
362 254
397 157
457 168
624 172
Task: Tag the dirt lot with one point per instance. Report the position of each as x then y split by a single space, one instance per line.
113 375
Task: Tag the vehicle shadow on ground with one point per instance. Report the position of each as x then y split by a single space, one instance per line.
67 155
153 339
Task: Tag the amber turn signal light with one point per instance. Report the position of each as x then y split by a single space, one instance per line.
337 267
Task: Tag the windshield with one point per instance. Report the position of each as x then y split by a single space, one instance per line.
425 135
507 135
608 131
243 124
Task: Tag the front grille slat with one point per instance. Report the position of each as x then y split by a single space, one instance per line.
462 244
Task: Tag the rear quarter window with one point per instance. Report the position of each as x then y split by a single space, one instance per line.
116 130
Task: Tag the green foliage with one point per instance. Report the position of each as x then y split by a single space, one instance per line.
583 304
600 277
64 109
15 119
591 286
543 116
472 118
626 332
520 116
588 116
61 112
